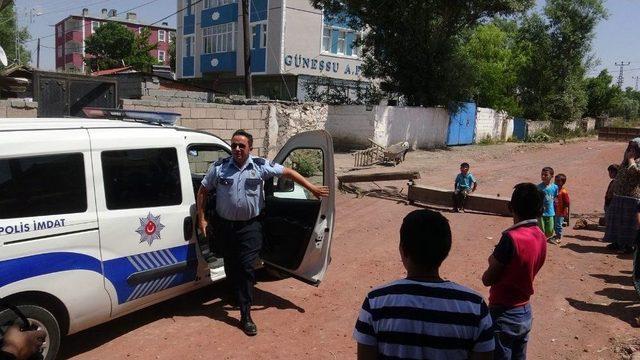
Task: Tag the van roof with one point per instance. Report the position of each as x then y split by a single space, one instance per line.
13 124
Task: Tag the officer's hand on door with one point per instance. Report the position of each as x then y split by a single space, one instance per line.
320 191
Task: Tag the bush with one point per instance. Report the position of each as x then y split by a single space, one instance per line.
306 162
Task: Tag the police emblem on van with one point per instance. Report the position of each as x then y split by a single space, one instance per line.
149 229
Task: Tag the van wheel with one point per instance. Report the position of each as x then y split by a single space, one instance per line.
43 320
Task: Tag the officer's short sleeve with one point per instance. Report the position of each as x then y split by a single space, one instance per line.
209 180
271 169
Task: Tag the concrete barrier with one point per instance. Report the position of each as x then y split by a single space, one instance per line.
443 197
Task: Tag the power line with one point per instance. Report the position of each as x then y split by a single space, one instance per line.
170 15
621 74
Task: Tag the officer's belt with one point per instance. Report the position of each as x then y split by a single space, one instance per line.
239 223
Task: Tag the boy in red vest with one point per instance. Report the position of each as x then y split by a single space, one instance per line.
512 268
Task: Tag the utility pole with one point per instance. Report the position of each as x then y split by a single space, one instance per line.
622 64
38 55
248 88
636 79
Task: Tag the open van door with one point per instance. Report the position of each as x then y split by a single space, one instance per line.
297 225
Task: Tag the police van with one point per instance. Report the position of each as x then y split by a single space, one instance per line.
97 215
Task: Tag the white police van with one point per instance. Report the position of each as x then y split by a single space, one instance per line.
97 216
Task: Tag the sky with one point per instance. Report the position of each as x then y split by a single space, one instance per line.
615 41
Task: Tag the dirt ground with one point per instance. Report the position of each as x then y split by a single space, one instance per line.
584 306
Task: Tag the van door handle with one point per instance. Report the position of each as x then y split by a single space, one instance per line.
188 228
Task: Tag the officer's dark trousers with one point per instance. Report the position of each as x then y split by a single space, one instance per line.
241 244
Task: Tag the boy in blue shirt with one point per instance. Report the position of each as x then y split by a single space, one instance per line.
550 191
465 183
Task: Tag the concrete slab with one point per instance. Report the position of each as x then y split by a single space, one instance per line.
443 197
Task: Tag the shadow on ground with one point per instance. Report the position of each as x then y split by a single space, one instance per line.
625 302
210 301
583 237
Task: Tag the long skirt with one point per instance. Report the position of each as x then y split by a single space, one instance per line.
622 220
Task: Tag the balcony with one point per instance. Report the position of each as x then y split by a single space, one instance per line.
74 35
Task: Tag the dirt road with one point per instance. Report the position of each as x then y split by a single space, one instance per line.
584 307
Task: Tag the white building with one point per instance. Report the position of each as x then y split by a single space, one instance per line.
291 43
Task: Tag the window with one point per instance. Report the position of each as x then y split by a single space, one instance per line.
326 39
263 37
94 26
59 50
308 163
357 48
161 56
141 178
162 35
188 50
218 38
200 159
215 3
42 185
59 30
341 41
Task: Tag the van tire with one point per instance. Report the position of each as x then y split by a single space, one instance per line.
46 319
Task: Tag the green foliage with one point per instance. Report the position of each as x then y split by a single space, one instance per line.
8 32
602 97
494 64
306 162
114 45
414 46
557 47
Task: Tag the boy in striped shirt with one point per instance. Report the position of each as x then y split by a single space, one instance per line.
424 316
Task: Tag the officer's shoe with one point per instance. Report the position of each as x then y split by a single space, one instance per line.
248 326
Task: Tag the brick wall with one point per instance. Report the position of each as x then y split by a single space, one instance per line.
218 119
18 108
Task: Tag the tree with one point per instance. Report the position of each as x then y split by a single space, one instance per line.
494 65
114 45
9 31
414 46
602 97
552 83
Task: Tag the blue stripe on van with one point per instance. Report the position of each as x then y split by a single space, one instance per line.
35 265
116 270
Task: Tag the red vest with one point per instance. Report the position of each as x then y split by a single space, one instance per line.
515 287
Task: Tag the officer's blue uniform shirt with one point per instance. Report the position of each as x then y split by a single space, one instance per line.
240 191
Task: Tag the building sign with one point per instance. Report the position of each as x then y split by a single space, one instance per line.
334 66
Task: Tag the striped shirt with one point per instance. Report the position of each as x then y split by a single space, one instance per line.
409 319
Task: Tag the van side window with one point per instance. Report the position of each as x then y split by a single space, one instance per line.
141 178
201 157
42 185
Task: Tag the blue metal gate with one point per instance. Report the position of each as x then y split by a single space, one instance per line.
519 128
462 125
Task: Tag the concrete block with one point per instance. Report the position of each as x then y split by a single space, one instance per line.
225 134
184 112
259 124
219 124
259 133
3 111
258 143
232 124
198 113
214 113
31 105
17 103
204 124
242 115
246 124
443 197
255 114
190 123
228 114
21 113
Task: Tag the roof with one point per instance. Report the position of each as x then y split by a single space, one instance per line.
120 20
14 124
111 71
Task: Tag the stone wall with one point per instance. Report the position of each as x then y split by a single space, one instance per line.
492 124
287 119
18 108
218 119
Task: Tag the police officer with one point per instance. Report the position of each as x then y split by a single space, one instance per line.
238 181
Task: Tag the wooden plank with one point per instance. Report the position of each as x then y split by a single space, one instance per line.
444 197
387 176
617 134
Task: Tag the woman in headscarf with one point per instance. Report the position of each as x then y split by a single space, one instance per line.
622 217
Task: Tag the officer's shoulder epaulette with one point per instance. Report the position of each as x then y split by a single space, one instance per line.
259 161
222 161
